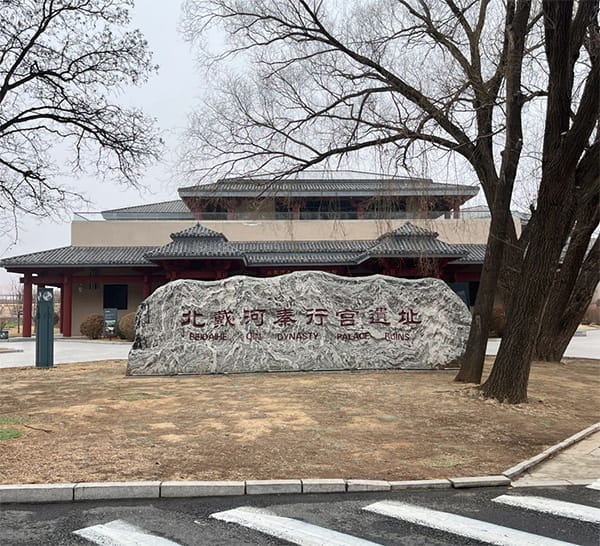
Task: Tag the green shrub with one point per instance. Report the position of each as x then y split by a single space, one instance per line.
127 327
56 318
92 326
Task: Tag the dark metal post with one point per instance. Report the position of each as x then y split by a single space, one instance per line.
44 329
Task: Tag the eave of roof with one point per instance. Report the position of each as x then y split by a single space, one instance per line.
334 187
165 210
79 256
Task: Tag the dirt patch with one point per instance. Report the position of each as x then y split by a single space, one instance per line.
89 422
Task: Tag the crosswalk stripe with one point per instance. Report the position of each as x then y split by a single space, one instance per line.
460 525
292 530
552 506
121 533
594 485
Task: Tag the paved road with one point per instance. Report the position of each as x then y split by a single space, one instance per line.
433 518
66 351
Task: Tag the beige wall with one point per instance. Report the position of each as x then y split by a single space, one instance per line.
87 300
154 233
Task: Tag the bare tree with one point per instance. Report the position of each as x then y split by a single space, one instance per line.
16 301
401 77
62 62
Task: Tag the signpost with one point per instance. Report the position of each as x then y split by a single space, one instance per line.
110 323
44 329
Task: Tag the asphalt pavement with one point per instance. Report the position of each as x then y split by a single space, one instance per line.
502 516
21 352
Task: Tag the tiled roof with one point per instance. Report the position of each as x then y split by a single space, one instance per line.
198 232
76 256
319 187
165 210
201 243
406 241
472 254
408 230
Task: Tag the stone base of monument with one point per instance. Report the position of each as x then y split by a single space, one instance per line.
304 321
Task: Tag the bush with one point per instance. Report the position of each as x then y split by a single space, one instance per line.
127 327
92 326
497 322
56 318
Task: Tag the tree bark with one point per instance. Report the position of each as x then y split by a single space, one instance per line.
564 144
501 230
560 328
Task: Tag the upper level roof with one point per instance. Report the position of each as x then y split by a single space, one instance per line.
328 184
165 210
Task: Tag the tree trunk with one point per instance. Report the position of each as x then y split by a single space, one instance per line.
501 231
565 141
510 375
471 368
555 337
575 282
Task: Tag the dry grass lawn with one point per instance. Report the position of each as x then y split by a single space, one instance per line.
88 422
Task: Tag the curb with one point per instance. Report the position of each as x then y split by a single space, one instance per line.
520 468
75 492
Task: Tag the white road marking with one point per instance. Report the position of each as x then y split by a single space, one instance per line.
594 485
121 533
294 531
551 506
460 526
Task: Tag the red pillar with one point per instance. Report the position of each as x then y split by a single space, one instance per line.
147 287
62 309
457 210
27 305
296 211
67 305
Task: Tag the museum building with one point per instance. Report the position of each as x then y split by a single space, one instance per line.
347 223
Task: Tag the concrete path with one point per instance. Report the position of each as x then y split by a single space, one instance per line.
585 344
581 461
22 352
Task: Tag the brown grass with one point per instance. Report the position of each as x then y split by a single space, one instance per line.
88 422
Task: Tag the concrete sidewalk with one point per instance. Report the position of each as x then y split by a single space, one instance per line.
579 463
585 344
22 351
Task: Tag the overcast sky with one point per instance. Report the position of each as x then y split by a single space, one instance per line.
168 96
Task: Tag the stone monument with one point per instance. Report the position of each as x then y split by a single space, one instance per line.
306 320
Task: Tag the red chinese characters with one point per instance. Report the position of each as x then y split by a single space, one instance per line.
408 317
223 318
284 317
316 316
255 317
194 318
347 317
379 316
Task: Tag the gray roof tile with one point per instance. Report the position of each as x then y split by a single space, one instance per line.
76 256
202 243
408 230
166 210
198 232
319 187
472 254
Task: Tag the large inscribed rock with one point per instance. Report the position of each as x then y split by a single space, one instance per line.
302 321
